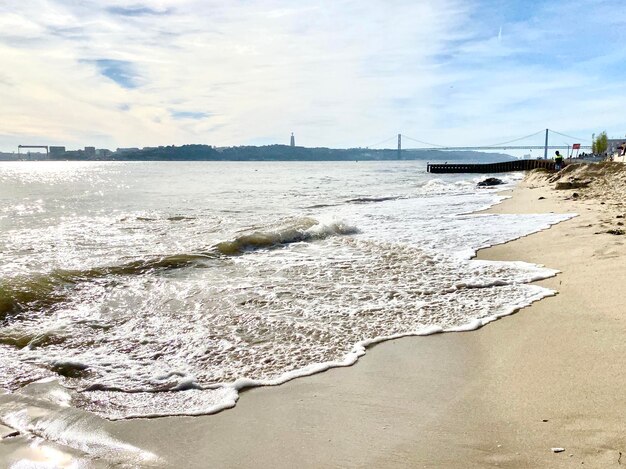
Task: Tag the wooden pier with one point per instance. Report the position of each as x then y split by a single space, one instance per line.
515 165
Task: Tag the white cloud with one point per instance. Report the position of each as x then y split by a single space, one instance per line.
338 73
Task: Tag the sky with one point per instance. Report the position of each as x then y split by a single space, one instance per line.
337 73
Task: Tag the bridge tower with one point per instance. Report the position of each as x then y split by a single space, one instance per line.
399 146
545 148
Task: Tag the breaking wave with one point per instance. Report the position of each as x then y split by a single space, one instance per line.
45 290
300 230
369 200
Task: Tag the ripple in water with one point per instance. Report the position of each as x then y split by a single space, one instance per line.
259 319
163 310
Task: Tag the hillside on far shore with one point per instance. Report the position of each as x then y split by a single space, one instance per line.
260 153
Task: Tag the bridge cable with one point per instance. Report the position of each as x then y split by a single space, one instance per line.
381 142
483 146
423 143
514 140
569 136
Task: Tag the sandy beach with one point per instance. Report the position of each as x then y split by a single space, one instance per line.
550 376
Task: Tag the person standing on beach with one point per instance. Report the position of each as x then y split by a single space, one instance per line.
558 161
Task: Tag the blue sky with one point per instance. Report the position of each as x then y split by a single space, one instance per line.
339 73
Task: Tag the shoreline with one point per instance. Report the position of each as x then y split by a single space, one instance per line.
447 400
454 400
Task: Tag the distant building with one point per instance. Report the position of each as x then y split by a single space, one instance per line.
127 150
8 156
103 152
613 145
293 140
90 152
56 152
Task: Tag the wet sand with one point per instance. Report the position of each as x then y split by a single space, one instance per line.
549 376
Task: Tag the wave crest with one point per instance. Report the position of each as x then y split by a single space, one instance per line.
300 230
46 290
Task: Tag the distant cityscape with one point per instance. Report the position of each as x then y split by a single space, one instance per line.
277 152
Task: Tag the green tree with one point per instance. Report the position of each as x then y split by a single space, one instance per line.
600 144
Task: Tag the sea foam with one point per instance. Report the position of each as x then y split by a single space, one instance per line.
146 317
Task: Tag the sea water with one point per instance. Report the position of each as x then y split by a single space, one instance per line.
163 288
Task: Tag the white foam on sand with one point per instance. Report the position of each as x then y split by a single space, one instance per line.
187 342
462 296
40 410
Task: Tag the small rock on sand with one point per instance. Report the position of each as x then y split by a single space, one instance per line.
571 185
558 450
490 182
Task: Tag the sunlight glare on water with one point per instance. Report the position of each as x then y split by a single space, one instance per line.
163 288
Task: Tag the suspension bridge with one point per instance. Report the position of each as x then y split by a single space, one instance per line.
514 144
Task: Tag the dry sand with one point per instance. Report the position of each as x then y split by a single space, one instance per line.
549 376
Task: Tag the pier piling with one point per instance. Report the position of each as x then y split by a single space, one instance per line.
506 166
